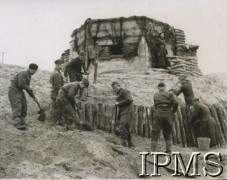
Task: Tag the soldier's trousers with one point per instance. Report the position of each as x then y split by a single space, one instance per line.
18 102
124 126
66 109
56 115
162 120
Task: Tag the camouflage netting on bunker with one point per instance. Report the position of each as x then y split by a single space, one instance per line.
136 40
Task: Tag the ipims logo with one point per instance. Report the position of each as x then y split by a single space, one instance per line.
212 159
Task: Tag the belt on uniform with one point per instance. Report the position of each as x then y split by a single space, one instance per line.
163 106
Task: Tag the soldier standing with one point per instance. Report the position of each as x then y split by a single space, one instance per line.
125 115
165 106
57 81
186 89
17 97
66 101
74 70
205 124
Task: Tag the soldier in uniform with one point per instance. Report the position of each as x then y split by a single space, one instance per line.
165 106
187 89
17 97
57 81
125 115
66 101
205 124
74 70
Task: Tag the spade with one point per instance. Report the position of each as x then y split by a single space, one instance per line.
41 112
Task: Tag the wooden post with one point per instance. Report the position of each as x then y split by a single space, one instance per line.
183 134
221 120
95 115
140 120
96 62
221 139
100 116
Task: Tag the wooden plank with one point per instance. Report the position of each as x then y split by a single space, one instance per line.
135 122
221 139
188 115
221 120
95 115
183 134
188 132
100 115
178 133
140 119
148 114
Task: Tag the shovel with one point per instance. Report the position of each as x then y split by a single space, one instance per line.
41 112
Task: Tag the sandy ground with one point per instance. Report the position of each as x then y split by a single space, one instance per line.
47 151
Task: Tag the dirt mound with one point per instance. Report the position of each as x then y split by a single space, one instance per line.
46 151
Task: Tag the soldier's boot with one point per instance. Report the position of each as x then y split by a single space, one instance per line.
153 146
22 121
124 142
130 144
18 125
168 147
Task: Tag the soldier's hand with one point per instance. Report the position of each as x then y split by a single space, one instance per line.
116 104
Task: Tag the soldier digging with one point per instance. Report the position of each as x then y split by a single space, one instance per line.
66 101
57 81
203 122
186 89
74 70
165 106
17 98
125 115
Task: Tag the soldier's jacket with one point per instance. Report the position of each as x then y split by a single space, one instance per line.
187 90
204 123
201 112
125 100
165 98
22 81
74 66
69 91
57 81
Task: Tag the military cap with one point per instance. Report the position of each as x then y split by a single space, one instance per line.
85 82
33 66
58 62
114 83
161 84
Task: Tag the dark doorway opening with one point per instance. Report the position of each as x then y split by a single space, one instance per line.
116 50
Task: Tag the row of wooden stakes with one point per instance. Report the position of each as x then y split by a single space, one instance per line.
103 116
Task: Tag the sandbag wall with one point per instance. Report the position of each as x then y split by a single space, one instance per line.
181 65
179 40
102 116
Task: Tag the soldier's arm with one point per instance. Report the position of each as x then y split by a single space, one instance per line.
22 80
177 92
195 115
71 93
57 82
127 98
174 103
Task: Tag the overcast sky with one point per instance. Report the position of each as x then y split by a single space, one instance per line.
39 30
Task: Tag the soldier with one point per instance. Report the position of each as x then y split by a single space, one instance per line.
165 106
125 115
57 81
66 101
186 89
17 97
74 70
202 120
